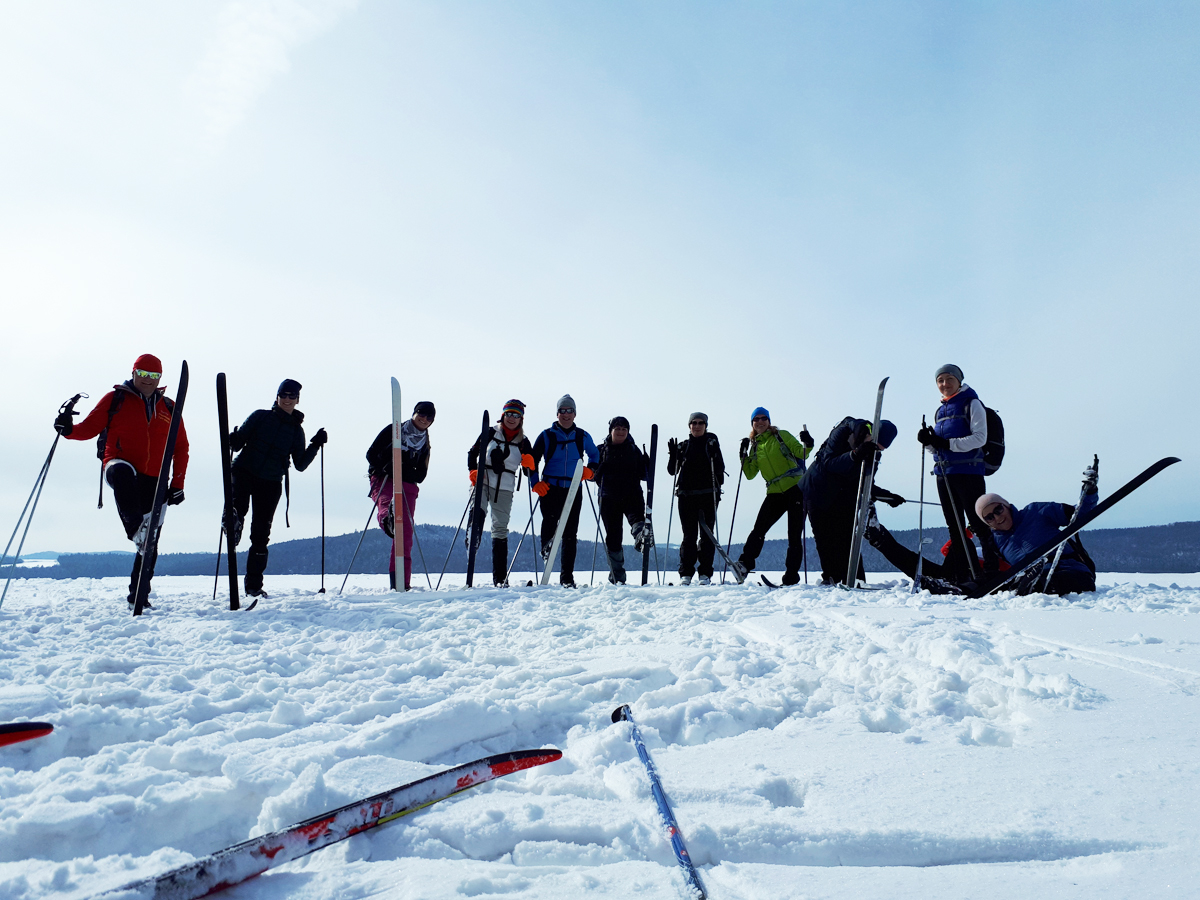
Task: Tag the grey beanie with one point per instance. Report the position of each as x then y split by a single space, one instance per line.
566 401
949 369
697 415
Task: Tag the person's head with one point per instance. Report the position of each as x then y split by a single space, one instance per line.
147 370
618 429
514 415
698 424
887 433
566 410
760 420
949 380
288 395
995 511
423 415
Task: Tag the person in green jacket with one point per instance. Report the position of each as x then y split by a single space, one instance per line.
779 457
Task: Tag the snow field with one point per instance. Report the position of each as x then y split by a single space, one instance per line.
813 742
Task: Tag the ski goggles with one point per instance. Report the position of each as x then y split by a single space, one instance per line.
142 373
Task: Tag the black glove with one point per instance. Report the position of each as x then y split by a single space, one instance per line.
929 438
892 500
864 451
63 424
744 449
673 450
174 496
806 439
319 438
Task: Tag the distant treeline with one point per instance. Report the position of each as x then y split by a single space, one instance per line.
1157 548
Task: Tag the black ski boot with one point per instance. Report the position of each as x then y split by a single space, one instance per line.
500 562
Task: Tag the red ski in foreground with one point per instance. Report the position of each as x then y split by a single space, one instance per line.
23 731
235 864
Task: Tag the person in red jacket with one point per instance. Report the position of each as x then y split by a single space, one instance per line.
136 417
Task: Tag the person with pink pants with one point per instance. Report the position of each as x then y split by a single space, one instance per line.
415 436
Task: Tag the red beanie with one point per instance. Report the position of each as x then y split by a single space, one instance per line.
148 362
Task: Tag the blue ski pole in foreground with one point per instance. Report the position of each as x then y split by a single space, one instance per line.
664 808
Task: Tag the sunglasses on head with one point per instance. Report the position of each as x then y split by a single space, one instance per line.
142 373
994 514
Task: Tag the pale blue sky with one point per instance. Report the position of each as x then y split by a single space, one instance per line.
657 207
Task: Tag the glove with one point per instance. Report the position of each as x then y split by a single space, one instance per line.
806 439
864 451
319 438
588 474
541 488
63 424
1091 479
744 449
174 496
474 476
527 463
929 438
892 500
673 450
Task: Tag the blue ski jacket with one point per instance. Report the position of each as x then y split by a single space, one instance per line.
1037 523
561 450
953 420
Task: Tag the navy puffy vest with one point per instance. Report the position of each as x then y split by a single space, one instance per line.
953 420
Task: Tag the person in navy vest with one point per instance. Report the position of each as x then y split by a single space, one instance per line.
957 439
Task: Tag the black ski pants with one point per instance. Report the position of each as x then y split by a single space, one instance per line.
906 560
833 533
773 508
694 508
552 510
966 489
265 493
612 507
133 494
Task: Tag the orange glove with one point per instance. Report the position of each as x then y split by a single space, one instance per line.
541 489
474 475
527 463
588 474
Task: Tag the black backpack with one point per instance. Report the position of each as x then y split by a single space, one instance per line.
993 450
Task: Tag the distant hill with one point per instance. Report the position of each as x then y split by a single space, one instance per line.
1156 548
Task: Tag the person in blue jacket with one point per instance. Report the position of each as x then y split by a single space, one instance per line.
558 449
1019 532
957 438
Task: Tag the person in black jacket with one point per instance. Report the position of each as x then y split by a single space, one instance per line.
699 471
269 441
831 491
414 467
620 475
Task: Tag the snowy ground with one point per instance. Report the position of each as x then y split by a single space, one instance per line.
814 744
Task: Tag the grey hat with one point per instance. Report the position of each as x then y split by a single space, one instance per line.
566 401
698 415
949 369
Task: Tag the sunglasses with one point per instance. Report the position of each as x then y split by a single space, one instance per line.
142 373
289 395
566 410
513 415
994 514
697 422
761 419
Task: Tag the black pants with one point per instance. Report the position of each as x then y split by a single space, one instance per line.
133 494
934 576
966 490
265 493
694 508
552 509
833 531
772 510
612 507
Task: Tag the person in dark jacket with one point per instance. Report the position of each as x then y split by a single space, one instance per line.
269 441
831 489
413 469
135 418
561 446
620 475
699 471
957 439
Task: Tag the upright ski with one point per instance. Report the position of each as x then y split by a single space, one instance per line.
865 482
650 502
229 514
475 532
576 479
995 582
149 549
23 731
243 861
398 505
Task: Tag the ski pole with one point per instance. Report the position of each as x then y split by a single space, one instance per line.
732 519
968 549
1075 515
350 569
670 517
413 522
217 574
595 543
322 590
600 531
528 525
470 500
920 523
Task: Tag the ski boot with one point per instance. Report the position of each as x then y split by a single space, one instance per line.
685 580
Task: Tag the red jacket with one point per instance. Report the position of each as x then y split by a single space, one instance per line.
134 435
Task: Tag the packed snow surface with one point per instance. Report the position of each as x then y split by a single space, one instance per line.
814 743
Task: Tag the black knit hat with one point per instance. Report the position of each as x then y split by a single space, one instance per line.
289 386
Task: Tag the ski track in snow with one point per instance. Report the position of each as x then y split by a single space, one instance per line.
813 742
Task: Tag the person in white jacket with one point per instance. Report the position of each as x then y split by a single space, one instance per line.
495 470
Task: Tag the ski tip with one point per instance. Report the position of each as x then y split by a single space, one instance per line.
621 712
885 381
23 731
